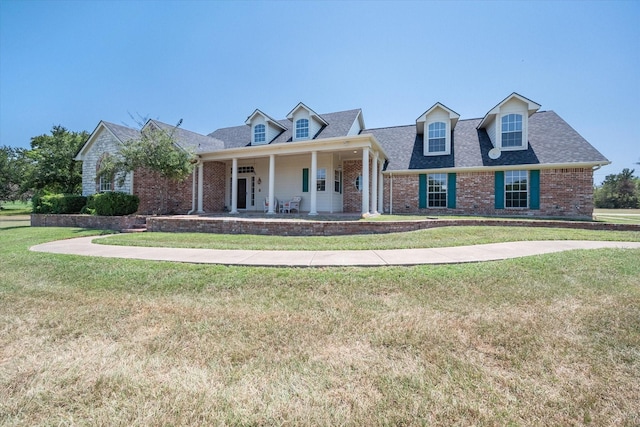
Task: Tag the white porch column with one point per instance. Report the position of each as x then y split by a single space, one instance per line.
200 186
365 180
380 189
374 184
234 186
314 183
272 184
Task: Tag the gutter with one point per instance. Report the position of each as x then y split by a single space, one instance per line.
501 168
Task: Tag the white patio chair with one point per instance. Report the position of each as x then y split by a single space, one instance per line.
266 205
293 204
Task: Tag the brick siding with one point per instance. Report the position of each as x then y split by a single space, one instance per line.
149 186
226 225
566 193
213 190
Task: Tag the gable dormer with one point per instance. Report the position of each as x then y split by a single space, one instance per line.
507 124
436 125
358 125
306 122
264 129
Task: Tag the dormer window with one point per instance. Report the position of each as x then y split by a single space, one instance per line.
307 123
512 130
507 123
264 129
259 133
437 137
302 129
436 126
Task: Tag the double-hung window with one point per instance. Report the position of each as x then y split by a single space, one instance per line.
516 189
437 137
512 130
337 181
302 129
106 184
437 190
321 181
259 133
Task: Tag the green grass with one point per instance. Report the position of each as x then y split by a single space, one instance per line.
537 341
617 216
15 208
432 238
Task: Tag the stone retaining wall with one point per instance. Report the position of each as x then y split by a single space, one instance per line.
226 225
336 228
117 223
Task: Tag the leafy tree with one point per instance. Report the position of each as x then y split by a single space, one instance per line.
618 191
55 169
156 150
14 168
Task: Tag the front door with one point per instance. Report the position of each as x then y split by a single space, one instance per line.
242 193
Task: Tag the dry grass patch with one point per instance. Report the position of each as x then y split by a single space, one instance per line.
545 340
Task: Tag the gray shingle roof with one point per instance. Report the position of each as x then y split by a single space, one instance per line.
551 141
192 140
123 133
240 136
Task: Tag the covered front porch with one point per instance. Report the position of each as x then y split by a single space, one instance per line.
333 176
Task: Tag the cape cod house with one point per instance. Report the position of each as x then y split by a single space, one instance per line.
516 160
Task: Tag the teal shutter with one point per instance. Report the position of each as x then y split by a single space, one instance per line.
305 180
534 189
422 191
499 189
451 191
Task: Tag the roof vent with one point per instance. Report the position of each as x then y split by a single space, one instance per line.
494 153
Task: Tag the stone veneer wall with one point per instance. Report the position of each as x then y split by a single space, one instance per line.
104 143
117 223
563 193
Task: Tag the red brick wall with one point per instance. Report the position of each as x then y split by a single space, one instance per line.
213 190
563 193
148 186
351 197
566 192
224 225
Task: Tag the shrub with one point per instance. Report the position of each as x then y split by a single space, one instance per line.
58 203
113 204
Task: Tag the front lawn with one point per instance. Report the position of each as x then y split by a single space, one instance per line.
542 340
431 238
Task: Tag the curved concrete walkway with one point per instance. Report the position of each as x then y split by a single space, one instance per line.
450 255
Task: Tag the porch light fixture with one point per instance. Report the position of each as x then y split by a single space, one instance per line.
259 181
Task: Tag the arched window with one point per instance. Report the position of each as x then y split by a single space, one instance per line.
302 128
437 137
259 134
512 130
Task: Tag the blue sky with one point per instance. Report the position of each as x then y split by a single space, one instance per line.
212 63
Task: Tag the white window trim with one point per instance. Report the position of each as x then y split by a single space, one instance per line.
295 130
103 183
447 139
525 130
264 134
321 171
446 191
528 191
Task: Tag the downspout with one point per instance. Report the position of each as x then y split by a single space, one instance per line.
391 194
193 188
